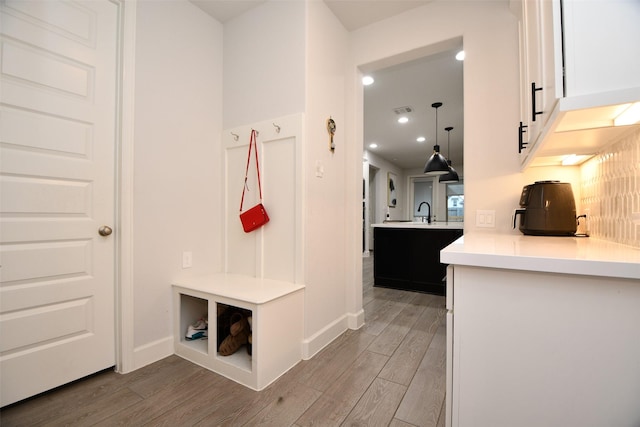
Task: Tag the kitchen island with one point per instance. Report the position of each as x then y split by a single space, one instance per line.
542 331
407 254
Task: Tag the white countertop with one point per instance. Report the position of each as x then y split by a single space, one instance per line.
418 224
569 255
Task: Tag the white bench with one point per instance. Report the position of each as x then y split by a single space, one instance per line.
277 325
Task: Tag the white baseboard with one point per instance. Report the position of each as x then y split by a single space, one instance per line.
322 338
152 352
159 349
355 320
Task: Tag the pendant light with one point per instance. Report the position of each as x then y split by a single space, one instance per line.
452 175
437 164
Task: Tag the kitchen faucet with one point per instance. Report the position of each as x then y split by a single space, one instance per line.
428 213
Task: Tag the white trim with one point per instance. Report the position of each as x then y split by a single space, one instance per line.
125 358
355 320
312 345
289 126
152 352
353 207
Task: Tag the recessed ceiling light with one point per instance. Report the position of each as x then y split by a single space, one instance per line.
367 80
373 145
421 139
403 119
460 55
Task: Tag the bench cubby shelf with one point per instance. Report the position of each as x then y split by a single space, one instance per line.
277 309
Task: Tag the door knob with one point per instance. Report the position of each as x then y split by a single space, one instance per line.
105 230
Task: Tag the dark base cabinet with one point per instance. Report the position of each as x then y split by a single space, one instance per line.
409 258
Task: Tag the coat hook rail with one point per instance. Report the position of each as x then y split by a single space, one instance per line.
277 127
235 136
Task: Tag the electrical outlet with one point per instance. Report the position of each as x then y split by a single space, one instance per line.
187 259
485 219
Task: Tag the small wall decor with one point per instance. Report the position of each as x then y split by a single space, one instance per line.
392 194
331 128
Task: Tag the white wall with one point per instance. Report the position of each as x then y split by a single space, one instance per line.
177 191
264 63
491 93
328 289
286 57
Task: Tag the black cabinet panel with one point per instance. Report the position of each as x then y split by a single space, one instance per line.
409 258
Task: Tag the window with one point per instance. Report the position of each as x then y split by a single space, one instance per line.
422 192
455 202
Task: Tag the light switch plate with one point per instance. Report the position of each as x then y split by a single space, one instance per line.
485 219
187 259
319 169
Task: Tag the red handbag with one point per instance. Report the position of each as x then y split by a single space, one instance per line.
257 216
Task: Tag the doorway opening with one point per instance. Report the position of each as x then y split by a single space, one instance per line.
369 201
381 159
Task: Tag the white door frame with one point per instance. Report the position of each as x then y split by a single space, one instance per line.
124 328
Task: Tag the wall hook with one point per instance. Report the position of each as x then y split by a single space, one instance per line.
277 127
235 136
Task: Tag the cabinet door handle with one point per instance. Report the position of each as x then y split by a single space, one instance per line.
521 143
534 89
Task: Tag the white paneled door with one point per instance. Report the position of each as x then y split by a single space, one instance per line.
57 147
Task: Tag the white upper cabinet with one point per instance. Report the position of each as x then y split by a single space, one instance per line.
541 79
602 45
580 68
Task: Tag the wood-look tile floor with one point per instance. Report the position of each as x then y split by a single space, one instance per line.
390 372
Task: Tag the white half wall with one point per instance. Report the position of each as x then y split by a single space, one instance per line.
332 277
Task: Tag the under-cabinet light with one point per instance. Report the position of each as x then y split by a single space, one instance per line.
403 119
574 159
630 116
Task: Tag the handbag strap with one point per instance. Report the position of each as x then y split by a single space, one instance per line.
254 143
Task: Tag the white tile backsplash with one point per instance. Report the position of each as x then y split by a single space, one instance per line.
610 192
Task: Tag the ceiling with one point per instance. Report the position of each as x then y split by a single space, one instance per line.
417 84
353 14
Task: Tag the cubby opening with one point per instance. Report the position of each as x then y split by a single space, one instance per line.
239 320
192 309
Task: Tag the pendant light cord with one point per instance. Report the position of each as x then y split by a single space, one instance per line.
437 105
